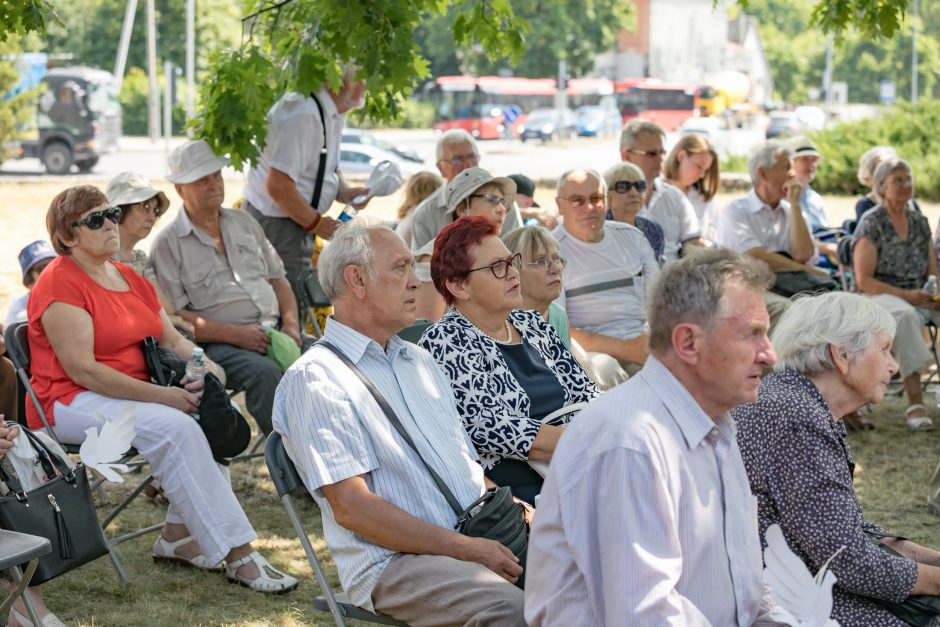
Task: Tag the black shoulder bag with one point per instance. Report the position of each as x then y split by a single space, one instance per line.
227 431
494 515
60 510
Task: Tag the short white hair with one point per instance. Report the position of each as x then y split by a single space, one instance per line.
590 173
623 171
351 245
765 156
455 136
869 162
848 322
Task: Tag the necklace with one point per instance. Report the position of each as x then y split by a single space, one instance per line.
507 326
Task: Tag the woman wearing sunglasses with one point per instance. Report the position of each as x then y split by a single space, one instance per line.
692 166
626 186
141 206
510 372
88 317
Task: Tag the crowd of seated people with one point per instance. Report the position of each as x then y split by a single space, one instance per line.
519 379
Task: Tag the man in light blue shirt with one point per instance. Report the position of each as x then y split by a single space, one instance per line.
653 522
388 526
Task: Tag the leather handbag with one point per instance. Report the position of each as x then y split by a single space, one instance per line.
226 430
495 515
61 510
789 284
917 609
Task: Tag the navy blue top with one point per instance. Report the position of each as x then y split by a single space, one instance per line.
539 382
865 203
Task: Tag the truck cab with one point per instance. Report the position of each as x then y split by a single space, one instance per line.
78 118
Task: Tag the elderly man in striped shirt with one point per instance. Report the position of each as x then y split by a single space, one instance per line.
388 526
646 517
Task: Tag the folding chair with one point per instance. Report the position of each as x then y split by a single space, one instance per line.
16 549
312 297
18 351
286 480
414 332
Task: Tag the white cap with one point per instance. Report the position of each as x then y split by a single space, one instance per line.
192 161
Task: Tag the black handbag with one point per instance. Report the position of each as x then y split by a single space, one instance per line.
226 430
789 284
495 515
60 510
920 610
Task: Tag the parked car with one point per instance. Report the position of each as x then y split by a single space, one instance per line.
360 136
594 121
783 123
360 159
714 129
549 125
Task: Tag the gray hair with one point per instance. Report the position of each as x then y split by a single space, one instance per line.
765 156
690 290
623 171
567 175
869 162
886 168
530 241
636 127
351 246
812 324
455 136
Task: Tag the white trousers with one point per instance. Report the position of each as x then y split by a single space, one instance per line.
199 489
910 349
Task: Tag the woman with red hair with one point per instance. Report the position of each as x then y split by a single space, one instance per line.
516 383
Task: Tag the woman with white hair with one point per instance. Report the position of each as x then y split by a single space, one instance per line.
893 256
833 357
867 165
626 186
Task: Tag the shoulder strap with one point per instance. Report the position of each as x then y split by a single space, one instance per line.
321 170
392 418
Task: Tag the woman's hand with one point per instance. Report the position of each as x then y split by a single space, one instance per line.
8 434
183 400
919 298
192 386
181 323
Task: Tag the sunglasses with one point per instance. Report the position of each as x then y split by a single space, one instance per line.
500 267
622 187
95 220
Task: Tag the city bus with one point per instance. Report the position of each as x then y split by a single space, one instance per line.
666 104
487 107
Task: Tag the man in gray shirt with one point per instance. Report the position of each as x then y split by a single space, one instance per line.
225 278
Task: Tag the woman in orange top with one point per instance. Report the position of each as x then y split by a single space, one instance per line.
88 317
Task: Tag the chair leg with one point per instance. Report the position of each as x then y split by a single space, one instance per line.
118 567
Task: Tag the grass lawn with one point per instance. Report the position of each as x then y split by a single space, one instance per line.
894 466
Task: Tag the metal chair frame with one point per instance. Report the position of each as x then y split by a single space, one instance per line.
286 481
19 548
312 296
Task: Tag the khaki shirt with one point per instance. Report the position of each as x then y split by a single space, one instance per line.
233 288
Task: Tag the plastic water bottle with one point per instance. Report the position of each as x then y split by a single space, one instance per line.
931 285
348 214
196 367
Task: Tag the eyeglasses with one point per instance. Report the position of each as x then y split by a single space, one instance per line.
95 220
546 263
580 201
460 160
152 205
500 267
649 153
622 187
492 199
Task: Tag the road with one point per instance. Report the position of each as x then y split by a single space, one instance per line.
543 162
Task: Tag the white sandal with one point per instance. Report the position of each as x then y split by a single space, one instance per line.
918 423
165 551
49 620
270 580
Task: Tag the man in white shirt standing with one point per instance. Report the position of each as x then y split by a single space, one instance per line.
641 143
296 178
609 265
654 523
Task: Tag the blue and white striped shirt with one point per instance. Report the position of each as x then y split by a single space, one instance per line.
646 517
334 430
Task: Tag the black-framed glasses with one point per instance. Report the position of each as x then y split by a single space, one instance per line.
459 160
547 263
95 219
649 153
500 267
492 199
622 187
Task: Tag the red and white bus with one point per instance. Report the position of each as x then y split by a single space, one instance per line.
666 104
487 107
